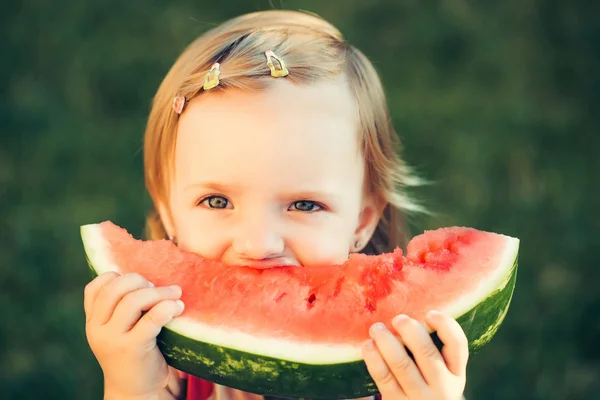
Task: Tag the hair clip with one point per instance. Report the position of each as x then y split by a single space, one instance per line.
211 79
179 103
277 73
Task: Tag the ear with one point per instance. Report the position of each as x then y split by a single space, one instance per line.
166 219
370 214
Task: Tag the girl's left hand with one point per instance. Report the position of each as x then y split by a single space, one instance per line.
432 375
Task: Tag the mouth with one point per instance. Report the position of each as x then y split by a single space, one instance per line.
269 263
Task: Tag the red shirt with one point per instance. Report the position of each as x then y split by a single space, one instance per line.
199 389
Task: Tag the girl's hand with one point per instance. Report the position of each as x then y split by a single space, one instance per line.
124 341
432 375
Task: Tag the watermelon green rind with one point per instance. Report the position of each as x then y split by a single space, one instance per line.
265 375
503 278
287 369
97 250
483 321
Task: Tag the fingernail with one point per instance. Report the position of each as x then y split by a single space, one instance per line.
377 327
180 304
433 313
399 319
370 345
175 288
151 284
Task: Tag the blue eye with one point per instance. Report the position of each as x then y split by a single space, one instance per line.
215 202
306 206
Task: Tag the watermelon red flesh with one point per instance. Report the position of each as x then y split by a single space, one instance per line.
320 304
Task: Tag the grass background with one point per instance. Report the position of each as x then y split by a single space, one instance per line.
496 102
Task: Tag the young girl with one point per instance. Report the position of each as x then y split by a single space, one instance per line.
269 143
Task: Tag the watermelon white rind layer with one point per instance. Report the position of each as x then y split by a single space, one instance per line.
283 368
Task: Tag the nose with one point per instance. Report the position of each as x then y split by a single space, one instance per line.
258 239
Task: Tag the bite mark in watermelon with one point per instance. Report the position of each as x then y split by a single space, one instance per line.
297 332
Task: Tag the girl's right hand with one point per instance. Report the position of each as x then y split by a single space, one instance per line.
123 338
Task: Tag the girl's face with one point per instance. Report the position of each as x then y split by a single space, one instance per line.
271 178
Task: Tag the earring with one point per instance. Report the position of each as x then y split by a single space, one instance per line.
357 244
179 103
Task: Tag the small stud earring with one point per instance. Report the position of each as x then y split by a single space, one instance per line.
357 244
179 103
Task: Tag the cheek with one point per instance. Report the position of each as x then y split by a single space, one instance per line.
200 235
321 247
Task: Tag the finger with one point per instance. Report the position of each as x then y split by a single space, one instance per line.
384 379
113 292
130 308
398 361
426 354
90 293
149 326
456 345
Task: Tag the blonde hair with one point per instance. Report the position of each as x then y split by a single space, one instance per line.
313 51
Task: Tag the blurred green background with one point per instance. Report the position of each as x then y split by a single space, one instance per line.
496 102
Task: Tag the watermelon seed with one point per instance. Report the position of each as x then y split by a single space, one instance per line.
311 299
280 297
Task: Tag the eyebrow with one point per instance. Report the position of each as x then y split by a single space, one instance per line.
312 194
218 187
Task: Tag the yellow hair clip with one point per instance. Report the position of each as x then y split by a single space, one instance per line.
277 73
211 79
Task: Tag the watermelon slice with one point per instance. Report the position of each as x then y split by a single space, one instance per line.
297 332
